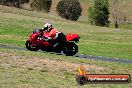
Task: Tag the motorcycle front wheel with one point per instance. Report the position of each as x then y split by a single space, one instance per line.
30 47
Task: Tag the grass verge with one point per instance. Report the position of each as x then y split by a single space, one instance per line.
96 41
34 69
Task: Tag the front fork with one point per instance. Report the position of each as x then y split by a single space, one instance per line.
33 42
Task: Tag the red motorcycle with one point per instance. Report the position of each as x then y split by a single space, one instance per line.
65 43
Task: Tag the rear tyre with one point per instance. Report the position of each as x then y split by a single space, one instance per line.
31 48
70 49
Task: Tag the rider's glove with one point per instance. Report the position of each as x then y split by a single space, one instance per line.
46 39
43 38
39 38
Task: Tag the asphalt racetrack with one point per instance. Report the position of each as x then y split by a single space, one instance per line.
77 55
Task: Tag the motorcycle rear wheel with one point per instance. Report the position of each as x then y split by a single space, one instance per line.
31 48
70 49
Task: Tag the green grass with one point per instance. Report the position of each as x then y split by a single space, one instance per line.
96 41
126 26
123 26
16 71
20 77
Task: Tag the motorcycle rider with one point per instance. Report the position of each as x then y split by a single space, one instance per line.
53 33
55 36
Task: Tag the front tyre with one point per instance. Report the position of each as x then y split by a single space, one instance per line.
70 49
30 46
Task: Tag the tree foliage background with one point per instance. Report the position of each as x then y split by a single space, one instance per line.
69 9
99 13
41 5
